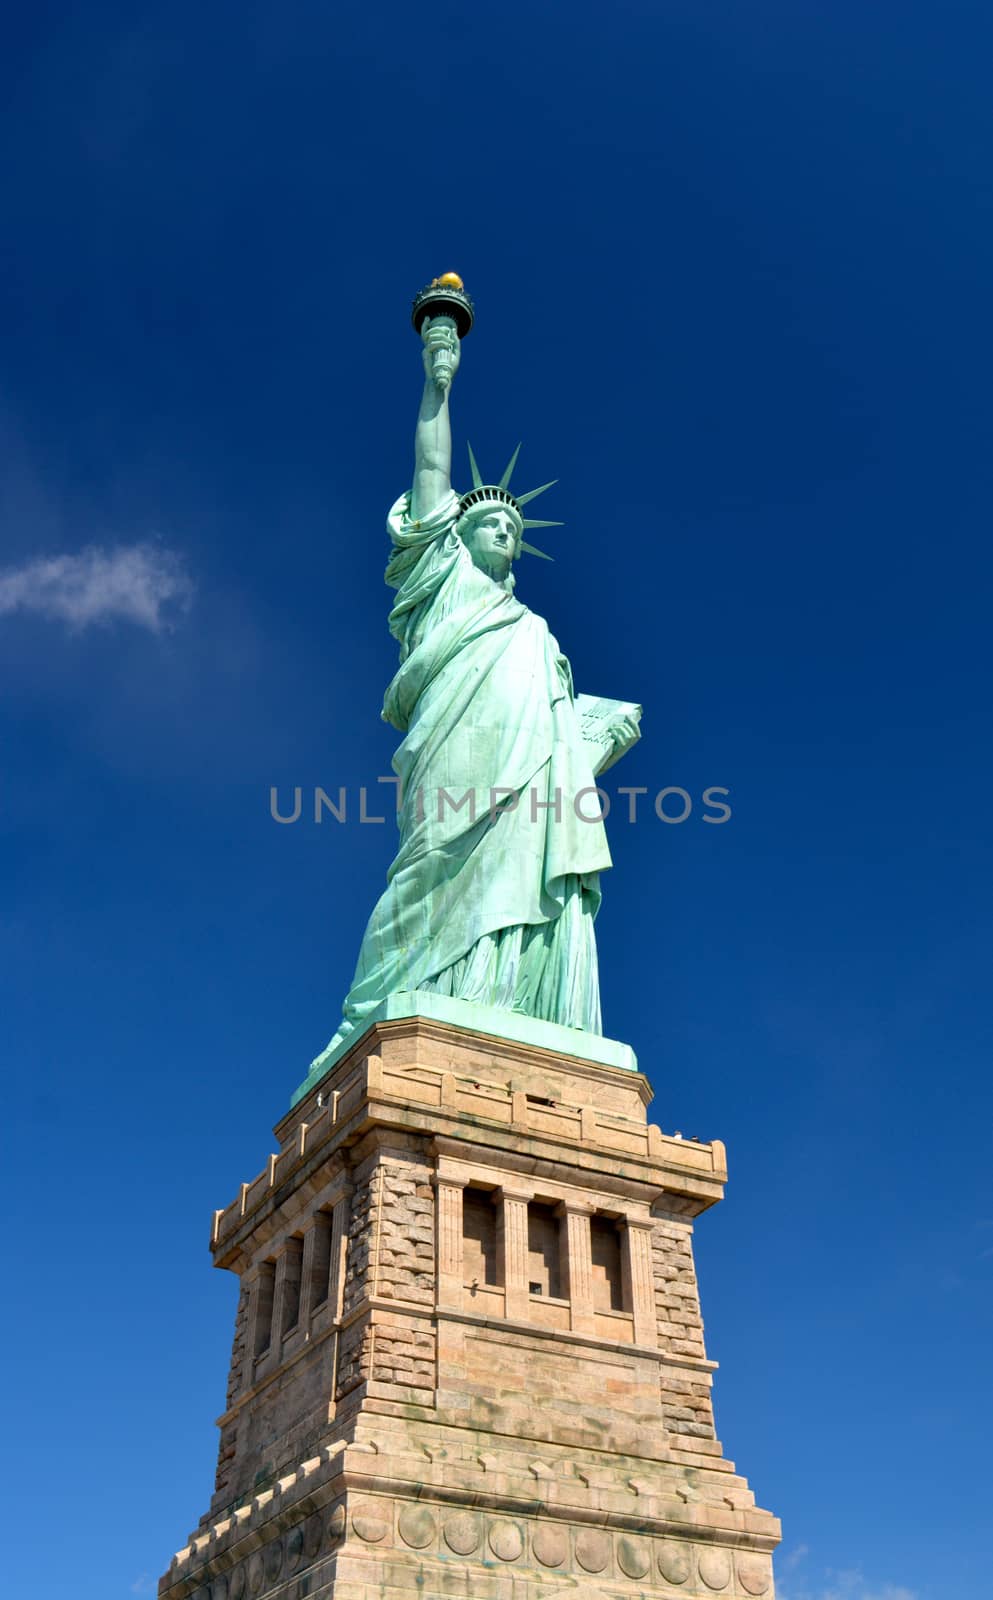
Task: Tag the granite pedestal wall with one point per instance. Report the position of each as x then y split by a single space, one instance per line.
468 1355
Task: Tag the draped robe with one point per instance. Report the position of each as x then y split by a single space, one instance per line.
487 899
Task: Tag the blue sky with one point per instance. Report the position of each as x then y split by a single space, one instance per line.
731 267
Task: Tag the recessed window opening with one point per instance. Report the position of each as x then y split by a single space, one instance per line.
544 1267
291 1285
608 1276
479 1238
320 1261
264 1289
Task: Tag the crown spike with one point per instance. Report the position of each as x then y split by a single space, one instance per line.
532 550
508 470
539 522
532 494
477 477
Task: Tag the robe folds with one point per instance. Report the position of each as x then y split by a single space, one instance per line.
493 891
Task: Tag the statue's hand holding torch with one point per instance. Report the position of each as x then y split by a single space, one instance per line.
442 314
441 350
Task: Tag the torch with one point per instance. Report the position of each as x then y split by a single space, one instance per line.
444 298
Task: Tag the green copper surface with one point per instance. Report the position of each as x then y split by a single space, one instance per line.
493 892
477 1019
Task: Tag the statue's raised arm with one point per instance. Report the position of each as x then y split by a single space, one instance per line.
443 315
433 439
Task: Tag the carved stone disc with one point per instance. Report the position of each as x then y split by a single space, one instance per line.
674 1562
715 1568
274 1559
369 1523
592 1550
506 1541
550 1545
634 1556
753 1575
417 1527
463 1533
294 1549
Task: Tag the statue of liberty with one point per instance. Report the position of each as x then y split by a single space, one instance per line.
496 883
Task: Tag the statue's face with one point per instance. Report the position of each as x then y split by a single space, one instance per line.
491 539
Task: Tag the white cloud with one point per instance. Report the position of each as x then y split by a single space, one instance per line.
834 1584
142 1584
143 583
849 1585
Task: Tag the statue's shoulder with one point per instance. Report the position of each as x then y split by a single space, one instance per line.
427 546
405 530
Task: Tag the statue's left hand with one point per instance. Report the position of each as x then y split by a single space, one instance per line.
616 739
625 732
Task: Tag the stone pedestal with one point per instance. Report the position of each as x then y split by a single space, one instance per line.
468 1355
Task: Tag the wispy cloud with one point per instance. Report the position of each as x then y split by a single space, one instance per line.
143 583
848 1584
142 1584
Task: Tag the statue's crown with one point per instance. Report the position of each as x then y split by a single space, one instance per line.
498 494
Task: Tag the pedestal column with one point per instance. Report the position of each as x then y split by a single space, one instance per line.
578 1262
640 1286
339 1247
450 1247
512 1245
